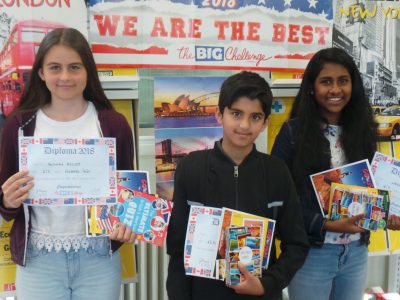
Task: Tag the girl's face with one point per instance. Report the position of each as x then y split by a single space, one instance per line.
332 91
64 74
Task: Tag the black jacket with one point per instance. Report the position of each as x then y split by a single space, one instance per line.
284 148
262 186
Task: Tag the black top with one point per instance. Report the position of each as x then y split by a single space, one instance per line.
263 186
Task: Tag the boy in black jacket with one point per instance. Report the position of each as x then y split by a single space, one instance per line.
235 175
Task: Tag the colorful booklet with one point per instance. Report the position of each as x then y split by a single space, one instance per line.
386 172
244 246
357 173
347 201
235 218
146 214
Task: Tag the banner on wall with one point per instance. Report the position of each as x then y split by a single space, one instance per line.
217 34
370 32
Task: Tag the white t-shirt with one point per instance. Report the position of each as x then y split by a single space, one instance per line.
57 227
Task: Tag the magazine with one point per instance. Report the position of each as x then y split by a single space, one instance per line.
347 201
146 214
357 173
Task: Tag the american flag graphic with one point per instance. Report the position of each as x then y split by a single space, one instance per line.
105 224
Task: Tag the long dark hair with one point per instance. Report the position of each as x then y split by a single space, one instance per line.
36 94
358 126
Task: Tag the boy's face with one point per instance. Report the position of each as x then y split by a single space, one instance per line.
242 123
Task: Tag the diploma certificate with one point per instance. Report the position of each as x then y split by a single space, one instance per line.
69 171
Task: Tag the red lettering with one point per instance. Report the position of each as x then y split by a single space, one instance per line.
34 3
321 31
237 31
39 3
106 24
221 25
279 32
158 28
307 34
129 26
177 25
51 3
253 31
293 29
296 33
194 26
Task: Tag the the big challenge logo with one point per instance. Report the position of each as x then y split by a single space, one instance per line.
363 11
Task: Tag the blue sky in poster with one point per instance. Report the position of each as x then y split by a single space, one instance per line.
311 6
196 86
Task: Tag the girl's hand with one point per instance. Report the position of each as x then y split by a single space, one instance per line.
16 189
394 222
346 225
251 285
123 234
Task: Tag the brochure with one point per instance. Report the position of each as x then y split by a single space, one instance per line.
235 218
244 246
201 244
357 173
386 172
347 201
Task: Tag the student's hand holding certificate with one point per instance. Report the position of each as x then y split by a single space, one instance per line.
251 284
16 189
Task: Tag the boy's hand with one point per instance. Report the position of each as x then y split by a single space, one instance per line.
394 222
16 189
251 284
123 234
346 225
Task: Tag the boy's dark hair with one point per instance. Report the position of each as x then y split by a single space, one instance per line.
245 84
36 93
358 126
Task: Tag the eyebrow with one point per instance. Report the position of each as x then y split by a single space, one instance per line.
254 113
57 63
340 77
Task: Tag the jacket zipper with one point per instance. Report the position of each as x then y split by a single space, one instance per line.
236 178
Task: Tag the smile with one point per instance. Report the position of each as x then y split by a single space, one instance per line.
335 99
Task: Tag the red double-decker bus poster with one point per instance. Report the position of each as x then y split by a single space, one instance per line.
23 24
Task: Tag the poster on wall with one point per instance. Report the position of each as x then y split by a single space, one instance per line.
23 24
217 34
7 267
184 121
370 32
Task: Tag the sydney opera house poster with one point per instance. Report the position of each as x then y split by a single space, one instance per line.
184 121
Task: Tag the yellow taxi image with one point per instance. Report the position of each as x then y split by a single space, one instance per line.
389 122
